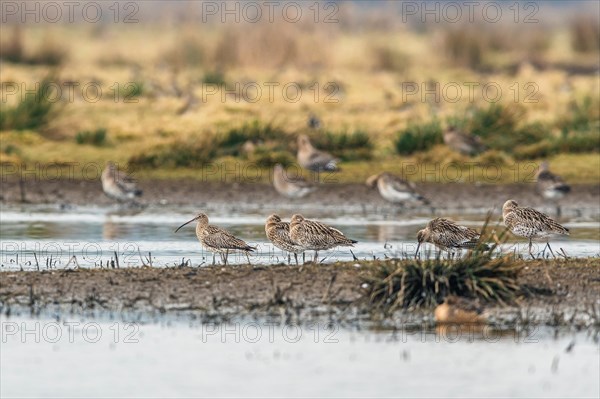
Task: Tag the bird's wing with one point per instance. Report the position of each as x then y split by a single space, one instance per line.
219 238
529 217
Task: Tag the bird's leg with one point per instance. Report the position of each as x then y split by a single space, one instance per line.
289 259
316 257
214 258
296 257
548 245
303 257
530 244
226 256
248 258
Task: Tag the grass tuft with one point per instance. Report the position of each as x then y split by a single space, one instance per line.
96 137
418 137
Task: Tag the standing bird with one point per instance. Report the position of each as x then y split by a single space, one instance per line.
463 143
395 189
117 186
216 239
316 236
290 186
550 186
278 233
312 159
527 222
448 235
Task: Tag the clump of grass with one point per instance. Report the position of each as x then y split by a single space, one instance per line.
193 152
48 53
132 89
581 116
34 110
464 46
386 58
415 283
255 132
585 34
418 137
348 146
216 78
267 158
93 137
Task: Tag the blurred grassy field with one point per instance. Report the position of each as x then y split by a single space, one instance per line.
353 77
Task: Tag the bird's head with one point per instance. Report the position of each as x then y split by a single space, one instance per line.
201 218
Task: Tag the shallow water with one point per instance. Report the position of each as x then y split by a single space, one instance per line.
49 237
45 358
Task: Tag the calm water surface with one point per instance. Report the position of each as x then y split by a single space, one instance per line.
94 234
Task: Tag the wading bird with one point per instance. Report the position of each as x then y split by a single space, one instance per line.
117 186
278 232
463 143
216 239
529 223
448 236
316 236
312 159
290 186
551 186
395 189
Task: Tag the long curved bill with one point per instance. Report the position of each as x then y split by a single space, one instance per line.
417 252
188 222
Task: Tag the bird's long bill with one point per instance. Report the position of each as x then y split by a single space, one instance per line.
189 221
417 252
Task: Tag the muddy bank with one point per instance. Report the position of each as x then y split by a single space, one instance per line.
206 195
330 292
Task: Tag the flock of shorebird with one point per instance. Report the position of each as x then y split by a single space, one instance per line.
301 235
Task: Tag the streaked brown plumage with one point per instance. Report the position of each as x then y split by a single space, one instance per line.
312 159
529 223
278 232
549 185
461 142
118 186
448 235
395 189
457 310
216 239
290 186
316 236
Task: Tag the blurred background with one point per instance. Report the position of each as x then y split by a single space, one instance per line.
167 87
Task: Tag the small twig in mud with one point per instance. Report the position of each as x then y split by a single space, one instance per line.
117 260
142 259
329 286
353 256
37 264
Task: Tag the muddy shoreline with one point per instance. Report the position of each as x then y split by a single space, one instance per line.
584 199
328 292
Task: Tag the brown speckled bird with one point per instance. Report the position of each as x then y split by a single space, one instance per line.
529 223
290 186
316 236
312 159
448 235
278 233
118 186
216 239
463 143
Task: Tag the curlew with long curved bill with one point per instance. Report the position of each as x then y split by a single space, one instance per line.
278 232
463 143
312 159
529 223
216 239
316 236
447 235
395 189
118 186
290 186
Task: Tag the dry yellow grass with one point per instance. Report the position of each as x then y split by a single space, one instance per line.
368 71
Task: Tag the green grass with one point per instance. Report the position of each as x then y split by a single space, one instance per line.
95 138
418 137
35 109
